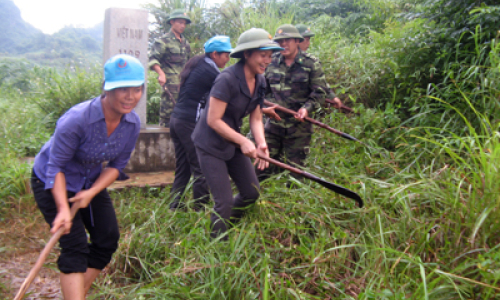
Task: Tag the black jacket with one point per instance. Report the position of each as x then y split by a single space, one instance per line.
197 84
230 87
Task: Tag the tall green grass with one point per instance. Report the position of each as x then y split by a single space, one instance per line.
397 69
58 90
22 132
429 229
430 226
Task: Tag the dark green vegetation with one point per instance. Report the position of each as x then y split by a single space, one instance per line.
68 46
424 77
15 32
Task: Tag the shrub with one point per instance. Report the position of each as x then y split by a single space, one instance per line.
22 126
153 98
57 91
14 181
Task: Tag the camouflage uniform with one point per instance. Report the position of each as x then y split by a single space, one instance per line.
300 85
171 54
305 31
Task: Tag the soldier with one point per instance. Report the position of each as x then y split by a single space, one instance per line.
296 81
168 56
306 33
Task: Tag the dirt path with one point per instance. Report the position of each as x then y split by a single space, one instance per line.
45 285
24 233
156 179
22 238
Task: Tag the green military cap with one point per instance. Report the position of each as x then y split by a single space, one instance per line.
304 30
254 38
287 31
179 14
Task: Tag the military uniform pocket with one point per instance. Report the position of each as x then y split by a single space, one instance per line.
175 55
299 82
274 83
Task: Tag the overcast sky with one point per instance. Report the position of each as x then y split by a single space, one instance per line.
51 15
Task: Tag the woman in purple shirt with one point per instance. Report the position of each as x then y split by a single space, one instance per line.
68 169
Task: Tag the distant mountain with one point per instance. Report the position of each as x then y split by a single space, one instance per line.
67 46
13 29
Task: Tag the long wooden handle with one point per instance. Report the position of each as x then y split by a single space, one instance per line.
281 165
43 256
313 121
165 89
342 106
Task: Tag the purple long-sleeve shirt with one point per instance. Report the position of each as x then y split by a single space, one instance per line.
80 145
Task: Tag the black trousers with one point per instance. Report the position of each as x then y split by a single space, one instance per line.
217 172
186 163
77 254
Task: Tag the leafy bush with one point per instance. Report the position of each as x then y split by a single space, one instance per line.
15 73
153 98
22 133
22 126
357 18
448 58
398 68
14 181
57 91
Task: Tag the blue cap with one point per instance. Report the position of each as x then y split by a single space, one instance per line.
219 43
123 71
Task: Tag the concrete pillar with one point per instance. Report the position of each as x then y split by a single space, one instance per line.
126 32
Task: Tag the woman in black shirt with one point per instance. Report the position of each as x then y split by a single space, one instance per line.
196 78
222 150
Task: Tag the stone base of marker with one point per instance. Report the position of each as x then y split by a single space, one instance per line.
145 181
154 151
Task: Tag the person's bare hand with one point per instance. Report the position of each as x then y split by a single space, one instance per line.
63 219
338 103
248 148
162 79
84 197
262 150
271 112
301 114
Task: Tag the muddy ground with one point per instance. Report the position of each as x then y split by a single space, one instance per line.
22 240
24 233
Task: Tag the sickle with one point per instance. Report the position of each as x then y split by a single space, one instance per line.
329 185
